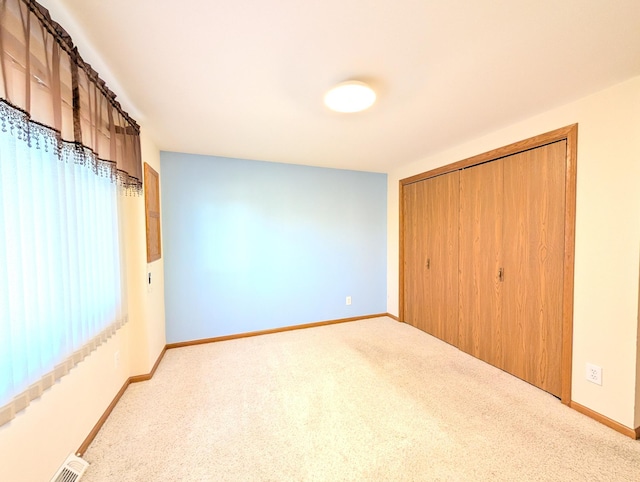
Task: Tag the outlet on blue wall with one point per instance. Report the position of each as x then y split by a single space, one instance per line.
252 245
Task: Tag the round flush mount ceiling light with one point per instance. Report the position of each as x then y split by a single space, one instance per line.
350 96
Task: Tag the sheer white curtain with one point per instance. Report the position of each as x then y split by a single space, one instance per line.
61 288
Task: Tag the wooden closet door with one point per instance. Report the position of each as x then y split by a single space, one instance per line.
481 199
533 252
443 194
415 218
430 247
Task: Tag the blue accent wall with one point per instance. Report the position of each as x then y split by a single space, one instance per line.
252 245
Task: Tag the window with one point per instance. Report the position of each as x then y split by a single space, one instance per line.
60 288
67 150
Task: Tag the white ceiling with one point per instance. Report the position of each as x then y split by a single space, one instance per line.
246 78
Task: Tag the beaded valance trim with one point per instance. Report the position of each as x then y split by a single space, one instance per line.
17 123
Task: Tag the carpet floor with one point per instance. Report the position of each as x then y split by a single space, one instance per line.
366 400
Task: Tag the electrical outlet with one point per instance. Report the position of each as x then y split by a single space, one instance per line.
594 374
348 300
116 359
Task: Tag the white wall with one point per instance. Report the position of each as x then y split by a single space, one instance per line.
607 237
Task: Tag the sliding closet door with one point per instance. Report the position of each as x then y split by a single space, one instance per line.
414 216
443 194
533 254
481 199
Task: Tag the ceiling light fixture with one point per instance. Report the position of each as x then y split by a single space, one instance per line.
350 96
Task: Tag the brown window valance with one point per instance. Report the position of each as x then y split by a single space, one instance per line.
46 85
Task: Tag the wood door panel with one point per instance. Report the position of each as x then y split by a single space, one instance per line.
430 246
414 220
533 251
442 249
480 295
533 306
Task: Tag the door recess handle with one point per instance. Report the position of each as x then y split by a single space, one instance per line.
501 274
428 263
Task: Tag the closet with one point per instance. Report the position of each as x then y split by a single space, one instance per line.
431 264
486 249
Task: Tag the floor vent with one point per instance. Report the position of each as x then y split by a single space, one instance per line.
71 470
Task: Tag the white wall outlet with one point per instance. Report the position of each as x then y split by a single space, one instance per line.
348 300
116 359
594 374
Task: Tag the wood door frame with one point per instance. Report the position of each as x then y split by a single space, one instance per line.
570 134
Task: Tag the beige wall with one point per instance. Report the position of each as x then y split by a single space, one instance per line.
36 442
607 237
637 423
146 302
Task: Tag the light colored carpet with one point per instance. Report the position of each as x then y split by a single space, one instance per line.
366 400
